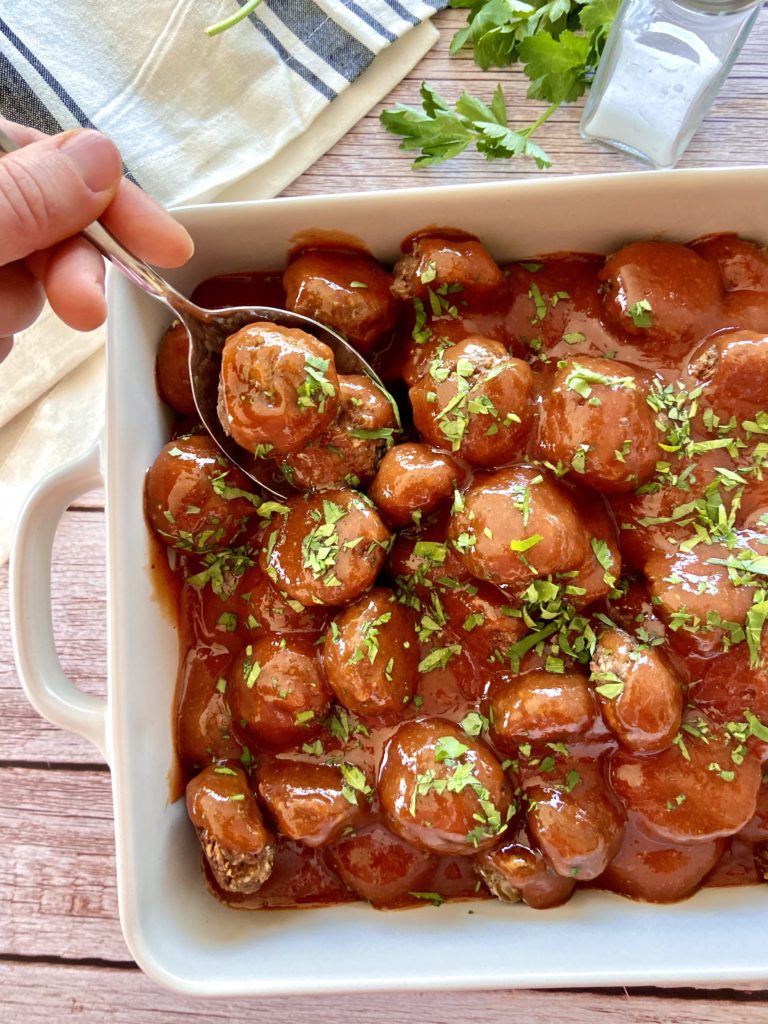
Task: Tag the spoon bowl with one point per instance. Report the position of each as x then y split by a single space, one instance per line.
207 330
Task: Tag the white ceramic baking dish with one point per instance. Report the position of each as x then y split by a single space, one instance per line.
176 931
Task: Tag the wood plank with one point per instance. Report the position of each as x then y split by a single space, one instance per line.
58 892
43 993
91 500
79 613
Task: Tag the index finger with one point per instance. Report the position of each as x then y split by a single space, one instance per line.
146 228
21 133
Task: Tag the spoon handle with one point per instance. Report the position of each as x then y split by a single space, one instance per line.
135 269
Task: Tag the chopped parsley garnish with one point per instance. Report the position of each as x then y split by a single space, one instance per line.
473 621
222 570
321 547
474 723
439 658
224 490
355 783
377 434
641 314
581 380
369 639
610 686
315 389
526 543
342 726
430 897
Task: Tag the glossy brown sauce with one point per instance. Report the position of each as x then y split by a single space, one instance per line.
566 288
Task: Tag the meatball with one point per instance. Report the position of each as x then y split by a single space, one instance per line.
660 872
693 592
371 655
446 267
205 732
659 517
347 291
640 697
172 370
238 847
250 605
733 369
475 400
278 388
517 524
312 803
596 421
413 480
277 690
747 310
328 549
540 707
195 499
515 871
661 292
349 452
441 790
697 790
422 345
573 817
734 681
481 616
743 265
421 563
554 305
381 867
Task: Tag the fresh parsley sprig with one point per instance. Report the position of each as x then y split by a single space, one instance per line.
559 44
441 131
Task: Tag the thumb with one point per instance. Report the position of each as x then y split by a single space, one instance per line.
53 188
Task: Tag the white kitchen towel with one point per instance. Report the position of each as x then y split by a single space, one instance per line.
237 115
191 113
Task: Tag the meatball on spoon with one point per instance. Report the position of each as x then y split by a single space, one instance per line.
208 330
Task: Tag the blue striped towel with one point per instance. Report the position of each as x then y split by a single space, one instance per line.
193 114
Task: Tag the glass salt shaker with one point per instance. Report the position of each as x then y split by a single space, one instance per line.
662 67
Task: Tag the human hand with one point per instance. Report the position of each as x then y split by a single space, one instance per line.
50 190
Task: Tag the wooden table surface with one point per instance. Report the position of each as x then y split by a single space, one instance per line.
62 955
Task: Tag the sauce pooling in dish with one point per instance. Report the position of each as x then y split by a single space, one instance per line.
508 639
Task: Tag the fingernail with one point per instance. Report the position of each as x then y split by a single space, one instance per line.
96 158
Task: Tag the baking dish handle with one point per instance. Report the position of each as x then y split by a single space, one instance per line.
49 690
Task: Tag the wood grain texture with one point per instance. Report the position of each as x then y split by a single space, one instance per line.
62 956
58 893
54 994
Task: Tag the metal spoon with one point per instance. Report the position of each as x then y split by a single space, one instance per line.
208 329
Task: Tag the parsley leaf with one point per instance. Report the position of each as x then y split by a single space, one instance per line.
440 131
557 68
